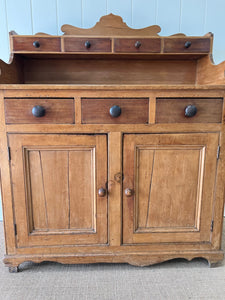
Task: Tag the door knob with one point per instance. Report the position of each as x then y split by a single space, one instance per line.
102 192
128 192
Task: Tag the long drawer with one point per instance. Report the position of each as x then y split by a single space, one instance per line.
115 111
39 111
189 110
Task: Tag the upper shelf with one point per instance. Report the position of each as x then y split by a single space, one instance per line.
111 53
111 36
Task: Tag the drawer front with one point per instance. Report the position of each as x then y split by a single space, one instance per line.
97 111
137 46
58 111
186 45
172 110
40 44
87 45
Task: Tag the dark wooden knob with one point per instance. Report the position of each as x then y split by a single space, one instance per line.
187 44
36 44
137 44
115 111
38 111
190 111
102 192
128 192
87 44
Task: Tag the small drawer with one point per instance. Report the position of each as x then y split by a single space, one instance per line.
87 44
35 43
39 111
152 45
115 111
189 110
186 45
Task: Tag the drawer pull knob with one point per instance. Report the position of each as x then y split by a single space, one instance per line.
102 192
36 44
137 45
87 44
190 111
38 111
115 111
128 192
187 44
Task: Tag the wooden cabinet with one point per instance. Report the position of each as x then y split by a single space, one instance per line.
112 147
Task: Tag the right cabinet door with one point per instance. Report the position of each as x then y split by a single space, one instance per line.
168 189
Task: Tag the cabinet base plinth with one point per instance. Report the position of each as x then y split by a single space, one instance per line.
135 259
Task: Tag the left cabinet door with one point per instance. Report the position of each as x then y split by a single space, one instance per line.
55 181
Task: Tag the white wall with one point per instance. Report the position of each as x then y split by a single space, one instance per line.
192 17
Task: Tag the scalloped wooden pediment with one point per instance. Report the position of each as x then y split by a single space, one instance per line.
111 25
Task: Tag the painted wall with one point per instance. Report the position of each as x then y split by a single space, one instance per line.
192 17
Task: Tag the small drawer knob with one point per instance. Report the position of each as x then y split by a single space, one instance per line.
87 44
128 192
137 45
36 44
187 44
38 111
102 192
190 111
115 111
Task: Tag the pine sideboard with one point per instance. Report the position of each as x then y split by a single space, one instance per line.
112 146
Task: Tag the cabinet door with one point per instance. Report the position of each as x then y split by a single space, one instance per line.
55 182
172 178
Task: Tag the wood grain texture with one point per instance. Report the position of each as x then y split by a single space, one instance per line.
172 110
178 195
141 260
51 177
177 45
109 71
110 25
37 205
81 169
72 44
19 111
25 44
11 73
208 73
62 184
125 45
190 190
54 168
95 111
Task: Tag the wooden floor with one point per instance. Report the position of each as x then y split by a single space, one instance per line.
177 279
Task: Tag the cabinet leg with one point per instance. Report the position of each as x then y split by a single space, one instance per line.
213 264
14 269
